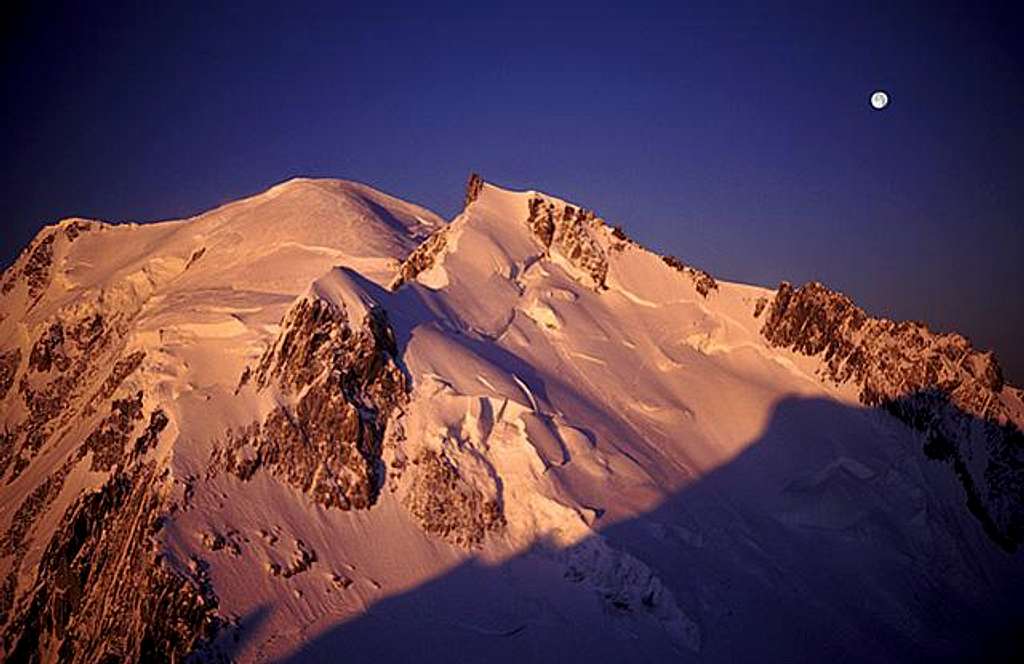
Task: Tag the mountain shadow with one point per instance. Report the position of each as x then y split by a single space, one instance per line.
833 536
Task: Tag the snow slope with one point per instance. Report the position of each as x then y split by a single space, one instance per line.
518 435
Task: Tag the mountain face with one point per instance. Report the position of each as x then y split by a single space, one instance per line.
322 423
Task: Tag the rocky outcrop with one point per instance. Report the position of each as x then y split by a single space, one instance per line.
447 505
37 269
6 450
621 239
10 360
343 382
97 589
107 442
123 367
885 359
473 188
568 229
936 383
759 306
61 362
74 228
303 559
158 421
541 220
422 258
33 267
103 591
14 542
702 281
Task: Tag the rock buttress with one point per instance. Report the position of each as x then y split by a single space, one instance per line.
937 384
340 382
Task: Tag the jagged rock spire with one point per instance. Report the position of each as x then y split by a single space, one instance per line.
473 187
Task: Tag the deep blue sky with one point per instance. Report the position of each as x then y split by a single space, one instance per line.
738 138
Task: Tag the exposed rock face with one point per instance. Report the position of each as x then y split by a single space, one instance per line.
123 367
37 269
107 442
936 383
10 360
75 227
422 258
542 220
103 593
150 437
99 591
473 187
6 450
14 541
568 229
95 589
702 281
447 505
886 359
107 521
344 382
34 266
303 559
759 306
61 361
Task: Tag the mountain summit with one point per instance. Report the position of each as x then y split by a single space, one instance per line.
321 423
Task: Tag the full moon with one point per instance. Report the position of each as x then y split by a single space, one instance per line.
879 100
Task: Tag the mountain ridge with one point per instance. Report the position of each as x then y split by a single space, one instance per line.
288 386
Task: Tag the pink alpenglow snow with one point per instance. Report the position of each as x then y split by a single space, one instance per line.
324 424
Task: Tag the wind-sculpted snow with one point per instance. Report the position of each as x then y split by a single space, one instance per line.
429 252
319 422
90 425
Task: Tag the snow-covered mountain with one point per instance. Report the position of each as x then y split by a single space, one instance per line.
322 424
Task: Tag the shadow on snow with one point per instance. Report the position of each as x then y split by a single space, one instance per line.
831 537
